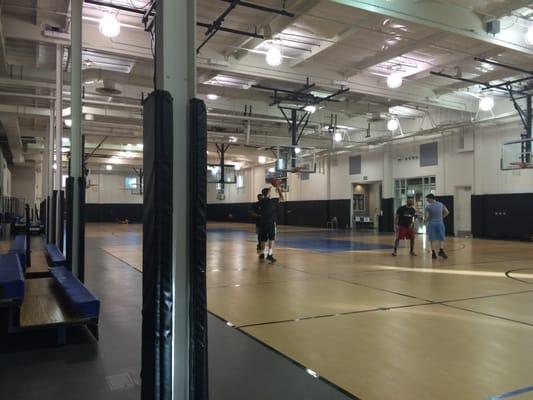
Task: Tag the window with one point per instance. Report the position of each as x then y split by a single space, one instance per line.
429 154
355 165
240 181
130 182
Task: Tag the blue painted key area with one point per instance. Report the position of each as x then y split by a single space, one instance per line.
323 242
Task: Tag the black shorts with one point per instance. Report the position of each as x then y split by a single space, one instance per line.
267 233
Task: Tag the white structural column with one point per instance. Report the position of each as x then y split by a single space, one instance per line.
175 73
45 188
57 145
388 180
50 176
76 147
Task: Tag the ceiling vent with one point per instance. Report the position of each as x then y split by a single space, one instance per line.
109 88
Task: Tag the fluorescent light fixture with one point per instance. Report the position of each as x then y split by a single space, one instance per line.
529 35
68 123
297 150
310 108
238 166
54 165
109 167
272 169
232 139
109 26
337 137
273 56
393 124
89 117
262 159
212 96
140 146
486 103
394 80
65 141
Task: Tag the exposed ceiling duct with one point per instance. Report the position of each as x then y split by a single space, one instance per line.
12 130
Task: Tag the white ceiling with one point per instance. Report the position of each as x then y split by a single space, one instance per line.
330 43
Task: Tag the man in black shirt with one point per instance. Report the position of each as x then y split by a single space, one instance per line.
267 228
404 225
255 212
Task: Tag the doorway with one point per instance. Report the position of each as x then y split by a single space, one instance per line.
366 205
463 211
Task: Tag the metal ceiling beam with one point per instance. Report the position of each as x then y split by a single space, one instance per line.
506 7
455 59
277 25
325 45
393 52
445 17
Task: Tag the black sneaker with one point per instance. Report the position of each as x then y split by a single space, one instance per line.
443 254
271 259
412 254
433 255
261 257
394 254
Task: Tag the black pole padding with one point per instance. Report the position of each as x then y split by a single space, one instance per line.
197 256
81 226
53 218
61 226
69 188
157 324
28 236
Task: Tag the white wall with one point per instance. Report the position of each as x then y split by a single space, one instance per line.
23 183
107 188
470 158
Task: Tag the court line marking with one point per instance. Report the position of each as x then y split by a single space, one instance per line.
488 315
388 308
515 278
513 393
121 260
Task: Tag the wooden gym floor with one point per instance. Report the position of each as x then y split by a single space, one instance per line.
377 326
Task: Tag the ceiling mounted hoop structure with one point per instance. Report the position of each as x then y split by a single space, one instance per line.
295 159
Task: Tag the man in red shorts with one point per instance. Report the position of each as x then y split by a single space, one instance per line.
404 223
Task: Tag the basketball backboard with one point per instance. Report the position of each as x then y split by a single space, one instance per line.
517 154
295 159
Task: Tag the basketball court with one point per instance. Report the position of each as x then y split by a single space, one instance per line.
376 326
217 200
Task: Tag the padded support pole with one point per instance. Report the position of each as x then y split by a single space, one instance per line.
57 145
28 236
53 217
76 143
68 211
197 262
50 235
157 326
171 377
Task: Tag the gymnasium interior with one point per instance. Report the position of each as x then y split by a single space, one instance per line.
200 199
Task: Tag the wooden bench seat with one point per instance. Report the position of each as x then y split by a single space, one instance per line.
43 307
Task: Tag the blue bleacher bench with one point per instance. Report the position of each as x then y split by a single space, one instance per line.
54 255
19 247
11 278
81 300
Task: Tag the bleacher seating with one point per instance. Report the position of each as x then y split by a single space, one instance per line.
11 278
55 256
19 247
81 300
